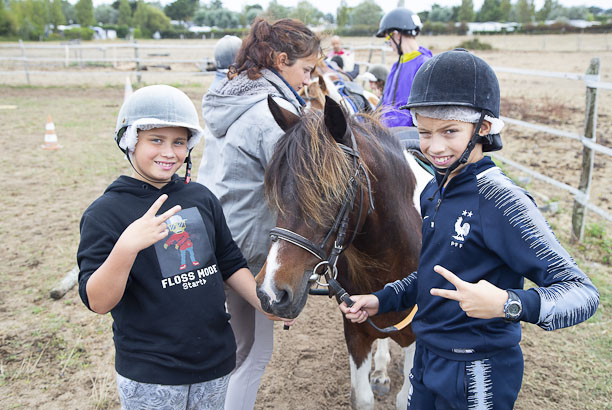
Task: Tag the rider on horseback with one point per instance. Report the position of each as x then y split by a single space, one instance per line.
400 28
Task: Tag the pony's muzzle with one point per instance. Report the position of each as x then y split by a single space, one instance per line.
280 303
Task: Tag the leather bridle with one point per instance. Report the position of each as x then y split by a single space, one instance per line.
340 224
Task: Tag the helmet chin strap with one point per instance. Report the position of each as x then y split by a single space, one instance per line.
465 156
399 64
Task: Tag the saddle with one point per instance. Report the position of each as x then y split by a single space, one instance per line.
409 138
353 93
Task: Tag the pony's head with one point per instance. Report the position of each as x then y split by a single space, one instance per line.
313 175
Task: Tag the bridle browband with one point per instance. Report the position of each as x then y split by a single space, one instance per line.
340 225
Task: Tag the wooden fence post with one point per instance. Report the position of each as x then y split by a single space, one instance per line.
588 155
25 61
138 73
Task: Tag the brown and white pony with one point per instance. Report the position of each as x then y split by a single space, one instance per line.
328 165
323 82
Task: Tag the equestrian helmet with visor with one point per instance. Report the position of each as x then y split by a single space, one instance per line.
455 79
156 106
402 20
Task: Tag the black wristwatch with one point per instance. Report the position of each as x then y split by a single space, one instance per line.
513 308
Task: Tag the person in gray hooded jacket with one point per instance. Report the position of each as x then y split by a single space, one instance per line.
276 59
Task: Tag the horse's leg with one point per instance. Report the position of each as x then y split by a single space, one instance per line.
402 397
362 397
379 380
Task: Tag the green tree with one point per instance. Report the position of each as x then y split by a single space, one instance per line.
306 13
275 11
105 14
490 11
525 10
124 17
182 10
56 15
68 11
84 13
547 8
8 24
505 8
251 15
442 14
149 19
343 14
466 11
366 13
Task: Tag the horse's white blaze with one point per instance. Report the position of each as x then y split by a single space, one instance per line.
361 392
422 178
401 400
272 266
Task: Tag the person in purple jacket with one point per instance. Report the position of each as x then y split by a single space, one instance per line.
482 235
400 28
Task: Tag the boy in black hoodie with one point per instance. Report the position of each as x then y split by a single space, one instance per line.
174 345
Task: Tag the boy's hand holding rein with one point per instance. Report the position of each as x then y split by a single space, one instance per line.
480 300
364 306
148 229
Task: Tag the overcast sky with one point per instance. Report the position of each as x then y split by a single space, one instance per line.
330 6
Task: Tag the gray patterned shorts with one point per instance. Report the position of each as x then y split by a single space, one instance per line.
208 395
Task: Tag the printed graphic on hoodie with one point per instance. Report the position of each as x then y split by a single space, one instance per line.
185 256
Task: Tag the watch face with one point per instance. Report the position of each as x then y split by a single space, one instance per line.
514 308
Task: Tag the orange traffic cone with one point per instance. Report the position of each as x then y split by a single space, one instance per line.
50 137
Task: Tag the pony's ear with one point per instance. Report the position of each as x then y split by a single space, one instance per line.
335 120
322 84
284 118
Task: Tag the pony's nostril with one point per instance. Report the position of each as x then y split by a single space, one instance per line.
284 297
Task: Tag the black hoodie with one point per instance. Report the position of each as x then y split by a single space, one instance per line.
171 326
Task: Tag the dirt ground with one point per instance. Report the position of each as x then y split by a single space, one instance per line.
58 355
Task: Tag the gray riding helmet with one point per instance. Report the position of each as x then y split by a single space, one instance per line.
379 71
402 20
458 78
226 50
157 106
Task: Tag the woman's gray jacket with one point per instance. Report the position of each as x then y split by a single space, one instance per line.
240 136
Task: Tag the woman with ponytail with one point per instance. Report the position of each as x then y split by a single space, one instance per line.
275 59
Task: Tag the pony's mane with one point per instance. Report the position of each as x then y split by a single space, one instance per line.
309 167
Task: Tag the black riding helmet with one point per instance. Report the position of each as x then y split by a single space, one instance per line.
400 19
460 78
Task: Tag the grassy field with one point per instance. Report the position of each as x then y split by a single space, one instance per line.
58 355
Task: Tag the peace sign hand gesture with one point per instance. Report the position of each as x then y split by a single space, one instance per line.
149 228
481 300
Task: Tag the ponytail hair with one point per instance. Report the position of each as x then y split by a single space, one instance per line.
266 40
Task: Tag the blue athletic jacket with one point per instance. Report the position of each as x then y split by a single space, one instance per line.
483 226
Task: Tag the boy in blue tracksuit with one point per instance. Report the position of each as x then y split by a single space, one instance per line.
482 235
400 28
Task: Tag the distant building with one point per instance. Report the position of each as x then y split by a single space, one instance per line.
491 27
574 23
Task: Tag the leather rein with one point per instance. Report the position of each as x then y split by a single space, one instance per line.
327 265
